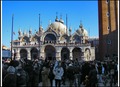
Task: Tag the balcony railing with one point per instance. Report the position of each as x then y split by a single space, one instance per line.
27 45
73 44
53 43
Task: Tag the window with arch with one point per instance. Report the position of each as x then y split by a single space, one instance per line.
76 38
26 39
50 37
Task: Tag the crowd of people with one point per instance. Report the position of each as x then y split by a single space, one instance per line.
30 73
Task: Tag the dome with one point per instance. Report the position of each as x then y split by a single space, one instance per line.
85 32
58 27
82 32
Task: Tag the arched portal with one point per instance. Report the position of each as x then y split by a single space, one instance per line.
87 54
65 54
50 52
23 53
34 53
76 53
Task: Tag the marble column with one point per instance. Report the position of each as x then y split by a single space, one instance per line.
71 56
12 54
42 53
58 56
58 53
29 55
17 55
82 54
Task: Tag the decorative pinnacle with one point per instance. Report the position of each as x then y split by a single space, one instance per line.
56 17
81 24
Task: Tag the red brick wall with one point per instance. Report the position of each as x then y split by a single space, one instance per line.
104 22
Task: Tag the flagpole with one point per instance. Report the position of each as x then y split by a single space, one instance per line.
12 35
66 23
39 20
39 39
66 30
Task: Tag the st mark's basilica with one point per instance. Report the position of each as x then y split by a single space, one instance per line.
55 43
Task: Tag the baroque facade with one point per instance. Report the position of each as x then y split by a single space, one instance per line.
56 43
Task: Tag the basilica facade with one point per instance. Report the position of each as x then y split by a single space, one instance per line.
55 43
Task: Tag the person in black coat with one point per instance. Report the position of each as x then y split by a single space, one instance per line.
92 77
51 76
10 78
70 74
36 71
22 77
99 71
85 71
29 69
64 75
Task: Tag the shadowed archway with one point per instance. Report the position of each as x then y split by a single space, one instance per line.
76 53
34 53
50 52
23 53
65 54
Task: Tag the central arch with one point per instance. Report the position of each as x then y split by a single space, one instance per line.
23 53
34 53
76 53
50 52
50 37
65 54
